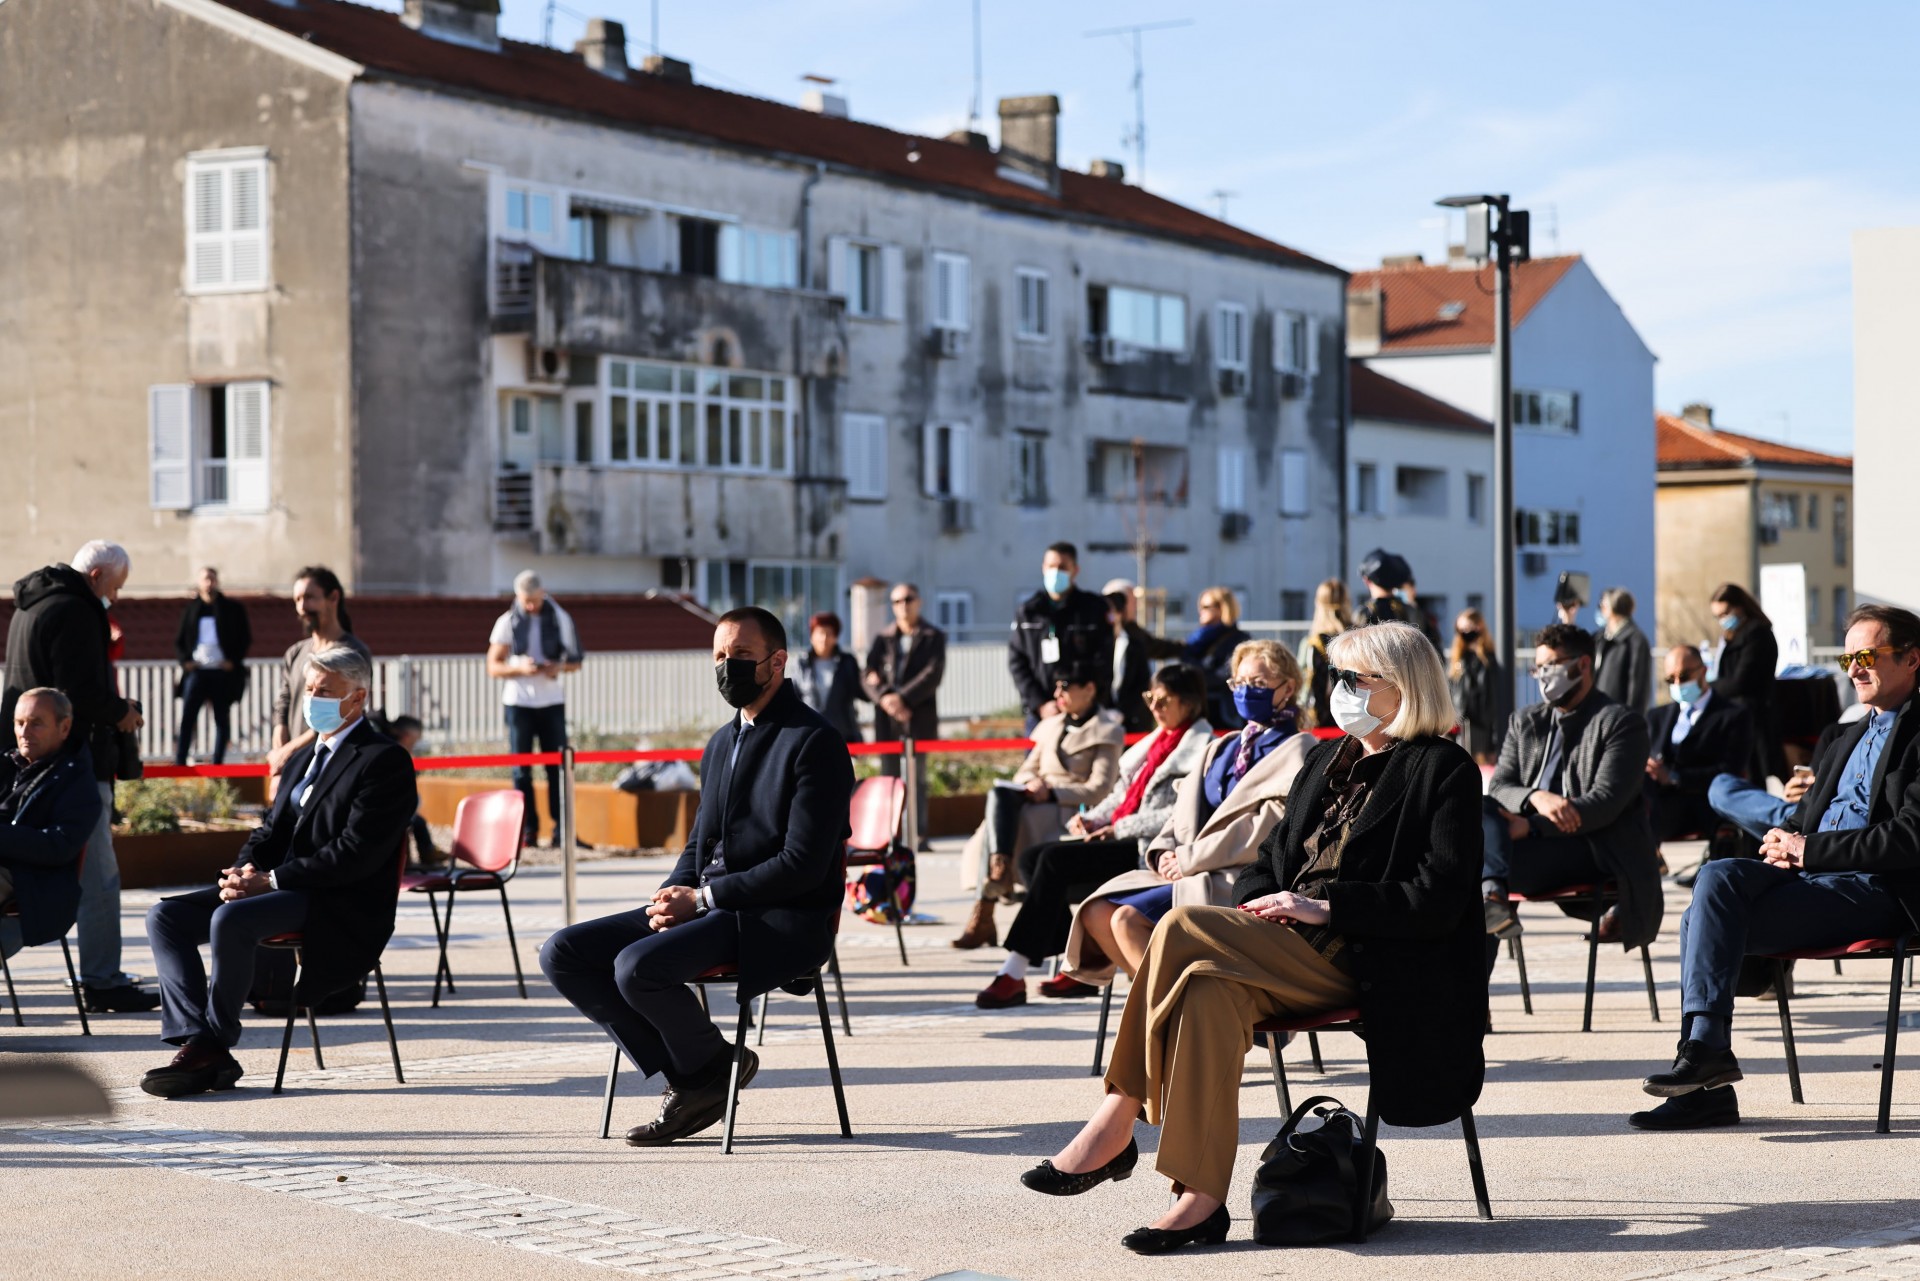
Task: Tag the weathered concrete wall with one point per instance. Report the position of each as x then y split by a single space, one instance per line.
1705 530
100 105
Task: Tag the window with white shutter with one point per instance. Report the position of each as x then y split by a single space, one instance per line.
1293 482
952 291
863 448
1233 480
170 447
1230 336
247 446
228 219
946 469
208 447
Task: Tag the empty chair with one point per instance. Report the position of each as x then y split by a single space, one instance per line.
487 836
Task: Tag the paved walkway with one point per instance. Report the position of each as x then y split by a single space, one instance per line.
486 1163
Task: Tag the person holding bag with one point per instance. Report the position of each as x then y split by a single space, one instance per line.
1367 894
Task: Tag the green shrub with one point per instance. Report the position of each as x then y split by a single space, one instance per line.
154 805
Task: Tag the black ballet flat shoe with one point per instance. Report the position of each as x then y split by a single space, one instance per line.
1045 1179
1211 1230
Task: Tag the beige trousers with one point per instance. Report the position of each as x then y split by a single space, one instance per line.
1210 974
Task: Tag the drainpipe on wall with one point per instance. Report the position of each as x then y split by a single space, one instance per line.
806 459
1346 428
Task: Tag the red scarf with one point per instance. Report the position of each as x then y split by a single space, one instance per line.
1163 744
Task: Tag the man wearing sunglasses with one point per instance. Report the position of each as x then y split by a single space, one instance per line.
905 665
1844 867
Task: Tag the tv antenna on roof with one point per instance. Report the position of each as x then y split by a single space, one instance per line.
1137 136
1223 196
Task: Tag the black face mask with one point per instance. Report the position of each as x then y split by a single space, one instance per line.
738 681
1468 636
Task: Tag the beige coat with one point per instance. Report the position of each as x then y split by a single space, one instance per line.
1079 762
1209 853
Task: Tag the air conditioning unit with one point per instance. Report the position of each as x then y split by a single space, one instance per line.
546 365
1292 386
1235 525
1233 382
1109 350
956 515
1769 535
949 344
1533 564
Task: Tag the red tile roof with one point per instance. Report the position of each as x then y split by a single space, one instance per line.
1679 443
1379 397
1436 308
540 77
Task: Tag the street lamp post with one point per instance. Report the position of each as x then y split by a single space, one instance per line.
1506 242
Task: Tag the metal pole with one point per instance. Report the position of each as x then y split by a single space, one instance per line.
569 911
910 775
1503 587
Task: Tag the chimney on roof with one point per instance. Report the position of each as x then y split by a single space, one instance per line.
1111 170
469 22
820 102
1402 262
1030 139
1699 413
968 138
1366 320
604 47
658 64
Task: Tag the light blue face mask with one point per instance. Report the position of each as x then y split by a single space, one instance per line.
1729 621
1687 692
1056 581
324 714
1600 619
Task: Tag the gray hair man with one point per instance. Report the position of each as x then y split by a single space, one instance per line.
49 806
59 639
530 646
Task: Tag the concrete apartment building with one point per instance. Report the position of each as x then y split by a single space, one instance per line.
1583 459
1728 504
1886 420
298 280
1422 486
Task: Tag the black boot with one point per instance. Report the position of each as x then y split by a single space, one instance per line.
1699 1110
1696 1067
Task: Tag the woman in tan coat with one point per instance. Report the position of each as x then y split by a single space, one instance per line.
1221 813
1074 762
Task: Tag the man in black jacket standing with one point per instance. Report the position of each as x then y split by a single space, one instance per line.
905 665
326 863
1622 659
49 805
1058 626
758 887
1844 868
58 639
1133 653
212 646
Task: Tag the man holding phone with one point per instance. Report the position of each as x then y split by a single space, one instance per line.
1844 866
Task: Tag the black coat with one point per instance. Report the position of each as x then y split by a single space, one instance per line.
1078 621
59 639
229 623
1623 667
42 843
783 816
1408 904
1889 845
1391 609
915 678
1745 674
1130 684
831 687
1483 700
1213 657
343 850
1720 742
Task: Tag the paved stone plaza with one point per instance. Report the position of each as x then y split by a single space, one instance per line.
486 1163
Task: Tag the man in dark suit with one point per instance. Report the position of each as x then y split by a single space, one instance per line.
325 863
905 665
1845 867
758 887
48 807
1695 738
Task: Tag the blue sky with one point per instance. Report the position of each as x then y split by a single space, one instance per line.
1710 158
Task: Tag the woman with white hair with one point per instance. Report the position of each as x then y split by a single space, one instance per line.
1366 895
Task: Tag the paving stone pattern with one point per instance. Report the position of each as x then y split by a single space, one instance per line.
1892 1254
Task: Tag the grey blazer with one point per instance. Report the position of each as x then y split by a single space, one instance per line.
1604 779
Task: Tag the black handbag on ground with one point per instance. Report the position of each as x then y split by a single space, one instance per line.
1304 1192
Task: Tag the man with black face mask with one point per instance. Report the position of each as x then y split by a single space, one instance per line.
758 887
1565 806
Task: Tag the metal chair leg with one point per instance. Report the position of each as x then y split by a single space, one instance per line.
440 942
1313 1044
900 932
1783 990
1653 999
12 995
446 967
1593 959
839 988
1893 1040
1520 961
1836 966
1279 1074
73 982
760 1033
513 947
833 1059
386 1014
733 1077
313 1031
1369 1139
700 989
606 1106
1100 1034
1474 1166
286 1045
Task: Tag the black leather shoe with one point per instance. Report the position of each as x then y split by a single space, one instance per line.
124 999
1046 1179
1211 1230
1699 1110
1696 1067
685 1112
199 1067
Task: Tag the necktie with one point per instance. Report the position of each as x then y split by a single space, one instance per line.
320 755
1243 759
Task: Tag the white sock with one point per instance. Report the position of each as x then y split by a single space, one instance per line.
1016 967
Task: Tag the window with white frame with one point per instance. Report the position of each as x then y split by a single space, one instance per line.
1138 317
1230 336
1366 489
1294 486
1557 412
753 256
1476 499
529 213
863 448
1538 529
952 291
1293 349
1027 468
1034 322
1233 479
227 221
791 590
207 447
871 277
946 469
953 611
694 416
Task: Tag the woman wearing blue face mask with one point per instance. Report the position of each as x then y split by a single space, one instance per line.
1748 658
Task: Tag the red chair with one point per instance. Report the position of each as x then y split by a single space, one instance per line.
1897 951
1599 896
487 835
1348 1020
12 908
879 805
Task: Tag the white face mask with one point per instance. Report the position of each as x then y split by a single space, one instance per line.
1350 710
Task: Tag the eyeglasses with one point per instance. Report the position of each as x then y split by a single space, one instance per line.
1352 680
1155 700
905 600
1253 684
1865 657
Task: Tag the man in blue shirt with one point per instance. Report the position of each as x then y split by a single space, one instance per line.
1845 867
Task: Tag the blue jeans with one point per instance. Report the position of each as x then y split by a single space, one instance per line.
549 726
98 921
1743 907
176 927
1748 806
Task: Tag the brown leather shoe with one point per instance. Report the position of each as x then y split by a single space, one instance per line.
979 931
200 1066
